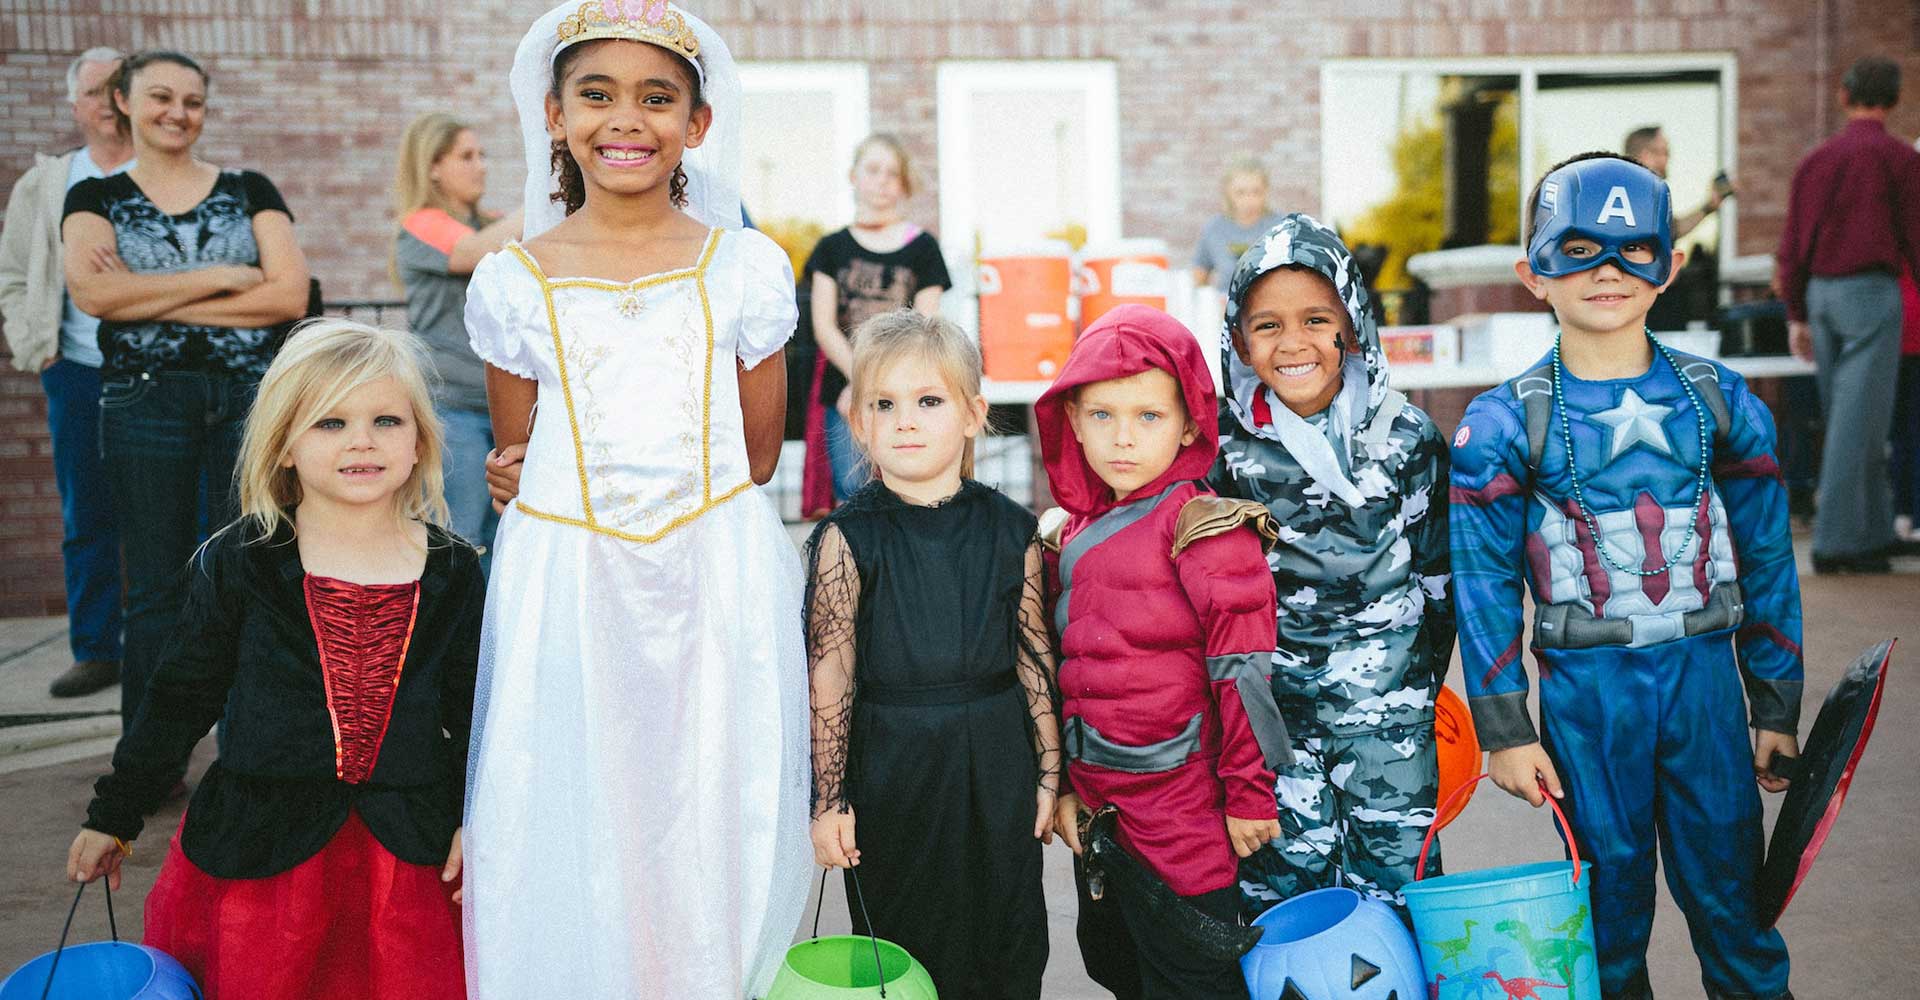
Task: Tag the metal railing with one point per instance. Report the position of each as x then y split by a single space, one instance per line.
370 311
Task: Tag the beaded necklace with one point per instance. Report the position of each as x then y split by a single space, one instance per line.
1701 475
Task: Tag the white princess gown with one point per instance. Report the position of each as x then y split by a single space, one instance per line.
636 809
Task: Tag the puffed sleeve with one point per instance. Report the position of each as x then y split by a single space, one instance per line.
1487 532
767 311
492 327
1225 577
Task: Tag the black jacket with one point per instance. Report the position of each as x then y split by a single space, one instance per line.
245 652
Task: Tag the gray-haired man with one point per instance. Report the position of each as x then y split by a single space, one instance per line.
47 334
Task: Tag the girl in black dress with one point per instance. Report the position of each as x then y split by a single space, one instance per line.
932 676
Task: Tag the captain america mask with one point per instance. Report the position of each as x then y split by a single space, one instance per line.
1612 203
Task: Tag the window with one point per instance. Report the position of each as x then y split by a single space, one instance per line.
800 123
1028 151
1421 155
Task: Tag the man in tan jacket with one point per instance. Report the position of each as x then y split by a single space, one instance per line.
47 334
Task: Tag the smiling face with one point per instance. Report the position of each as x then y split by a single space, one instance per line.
461 172
1291 328
357 453
1132 428
626 111
1604 299
167 105
915 428
93 104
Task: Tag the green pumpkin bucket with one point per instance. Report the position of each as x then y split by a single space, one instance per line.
849 965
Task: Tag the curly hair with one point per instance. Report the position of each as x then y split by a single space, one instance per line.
573 187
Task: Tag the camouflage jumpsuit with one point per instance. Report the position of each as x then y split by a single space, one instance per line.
1365 615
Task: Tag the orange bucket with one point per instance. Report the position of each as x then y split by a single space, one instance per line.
1025 332
1459 751
1130 272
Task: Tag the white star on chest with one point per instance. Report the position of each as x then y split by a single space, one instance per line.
1636 421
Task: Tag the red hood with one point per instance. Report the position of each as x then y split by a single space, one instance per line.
1126 341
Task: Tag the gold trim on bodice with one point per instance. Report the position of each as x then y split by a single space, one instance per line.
698 274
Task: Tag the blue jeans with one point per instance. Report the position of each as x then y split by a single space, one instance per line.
463 465
850 470
169 439
1856 344
89 548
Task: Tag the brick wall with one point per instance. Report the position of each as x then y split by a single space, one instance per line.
315 93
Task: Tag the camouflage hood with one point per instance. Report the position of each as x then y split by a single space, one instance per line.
1303 241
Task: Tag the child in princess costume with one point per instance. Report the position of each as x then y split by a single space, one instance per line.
638 800
1634 490
1356 477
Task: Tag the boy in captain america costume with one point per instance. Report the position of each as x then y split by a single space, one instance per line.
1634 490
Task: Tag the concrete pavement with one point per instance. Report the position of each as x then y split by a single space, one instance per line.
1846 927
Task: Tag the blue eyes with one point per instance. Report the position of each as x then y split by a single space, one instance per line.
335 423
926 403
1148 417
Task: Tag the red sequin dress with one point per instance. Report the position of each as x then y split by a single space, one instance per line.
352 920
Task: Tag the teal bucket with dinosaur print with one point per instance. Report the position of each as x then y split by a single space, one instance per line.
1518 932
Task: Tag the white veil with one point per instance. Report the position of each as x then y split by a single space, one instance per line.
713 168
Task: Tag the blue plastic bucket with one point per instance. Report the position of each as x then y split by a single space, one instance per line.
102 970
1332 942
1515 927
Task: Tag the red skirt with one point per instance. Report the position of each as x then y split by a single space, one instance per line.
351 921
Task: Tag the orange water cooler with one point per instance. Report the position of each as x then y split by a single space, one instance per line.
1025 329
1120 273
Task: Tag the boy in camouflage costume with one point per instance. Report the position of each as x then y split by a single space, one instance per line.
1365 622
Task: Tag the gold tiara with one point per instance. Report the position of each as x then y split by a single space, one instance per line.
650 21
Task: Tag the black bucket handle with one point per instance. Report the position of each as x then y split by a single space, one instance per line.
879 971
113 928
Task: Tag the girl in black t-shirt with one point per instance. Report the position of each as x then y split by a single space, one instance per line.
880 263
190 268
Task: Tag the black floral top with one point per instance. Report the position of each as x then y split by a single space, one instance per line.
219 230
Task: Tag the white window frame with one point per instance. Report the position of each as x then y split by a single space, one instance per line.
959 79
1529 69
852 119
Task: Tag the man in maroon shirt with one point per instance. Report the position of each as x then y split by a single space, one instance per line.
1853 223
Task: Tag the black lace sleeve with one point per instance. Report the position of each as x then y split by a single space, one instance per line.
833 599
1037 670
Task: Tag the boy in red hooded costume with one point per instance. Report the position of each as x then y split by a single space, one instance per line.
1165 613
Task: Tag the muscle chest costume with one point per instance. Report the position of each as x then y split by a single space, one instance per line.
1165 619
1648 519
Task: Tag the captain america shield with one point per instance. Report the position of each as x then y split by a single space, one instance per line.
1826 768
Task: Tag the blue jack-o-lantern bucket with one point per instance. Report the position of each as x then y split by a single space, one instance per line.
1333 943
1519 927
101 970
846 966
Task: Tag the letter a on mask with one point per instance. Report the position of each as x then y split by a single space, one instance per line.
1617 206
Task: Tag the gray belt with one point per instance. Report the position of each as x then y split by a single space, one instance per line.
1570 626
1085 744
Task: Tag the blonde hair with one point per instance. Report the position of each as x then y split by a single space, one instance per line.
892 144
891 337
324 361
425 141
1236 167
